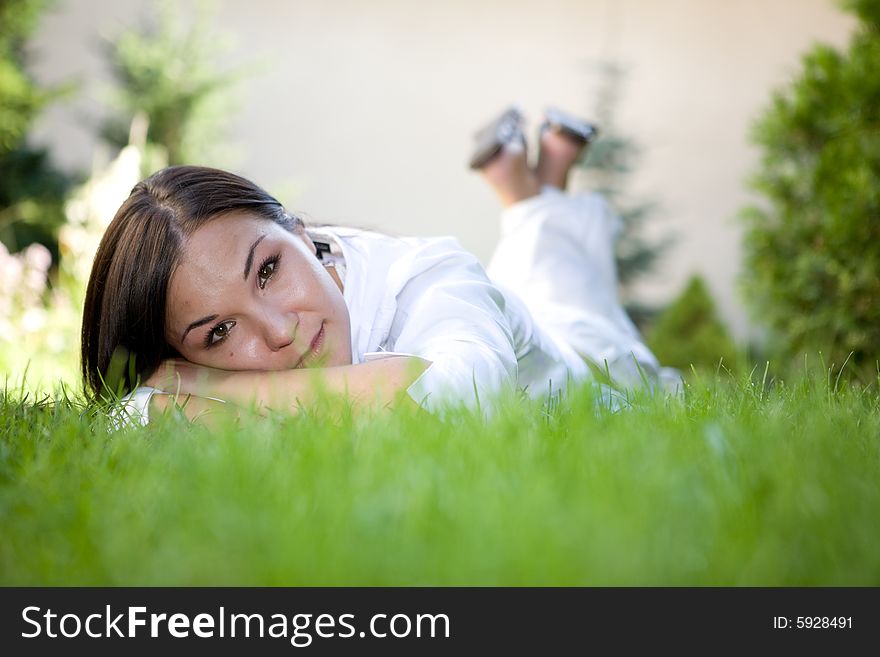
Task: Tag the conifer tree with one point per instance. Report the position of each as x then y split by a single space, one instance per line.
689 332
610 161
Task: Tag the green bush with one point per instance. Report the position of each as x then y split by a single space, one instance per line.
31 189
167 71
812 249
689 332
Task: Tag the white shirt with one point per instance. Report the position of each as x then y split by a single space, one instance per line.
431 298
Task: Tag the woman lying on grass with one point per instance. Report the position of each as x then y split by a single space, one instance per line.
204 286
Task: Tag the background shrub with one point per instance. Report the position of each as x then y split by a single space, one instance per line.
31 188
812 249
166 71
689 332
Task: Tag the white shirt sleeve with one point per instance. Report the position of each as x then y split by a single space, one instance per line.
134 408
451 314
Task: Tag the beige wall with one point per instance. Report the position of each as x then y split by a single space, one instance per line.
364 109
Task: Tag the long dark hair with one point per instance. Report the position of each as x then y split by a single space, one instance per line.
123 329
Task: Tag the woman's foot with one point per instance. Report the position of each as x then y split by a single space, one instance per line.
556 157
564 140
500 154
510 176
504 129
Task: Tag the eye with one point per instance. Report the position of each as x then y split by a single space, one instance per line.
267 269
218 333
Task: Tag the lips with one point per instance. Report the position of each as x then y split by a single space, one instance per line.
315 347
317 341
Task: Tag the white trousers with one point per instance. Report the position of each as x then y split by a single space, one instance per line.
557 253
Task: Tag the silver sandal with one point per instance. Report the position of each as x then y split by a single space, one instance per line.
571 126
505 129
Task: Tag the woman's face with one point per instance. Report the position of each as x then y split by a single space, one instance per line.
251 295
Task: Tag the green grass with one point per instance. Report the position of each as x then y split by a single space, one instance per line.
738 484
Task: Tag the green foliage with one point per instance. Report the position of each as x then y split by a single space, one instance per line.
720 488
20 98
812 250
610 160
868 12
31 199
31 189
168 71
689 332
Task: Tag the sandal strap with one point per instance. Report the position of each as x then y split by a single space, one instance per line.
570 125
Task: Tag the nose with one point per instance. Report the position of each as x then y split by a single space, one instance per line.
279 329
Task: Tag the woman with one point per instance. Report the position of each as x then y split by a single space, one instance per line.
204 285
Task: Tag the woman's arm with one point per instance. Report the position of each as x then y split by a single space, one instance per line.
455 317
377 383
209 412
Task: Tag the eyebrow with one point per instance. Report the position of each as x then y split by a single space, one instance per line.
250 256
197 324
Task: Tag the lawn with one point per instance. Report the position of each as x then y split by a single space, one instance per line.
749 482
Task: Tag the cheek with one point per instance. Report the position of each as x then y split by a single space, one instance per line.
305 291
243 352
341 337
246 349
232 355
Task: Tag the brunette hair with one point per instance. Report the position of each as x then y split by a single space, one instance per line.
123 329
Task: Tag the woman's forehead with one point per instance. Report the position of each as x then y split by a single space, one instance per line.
225 240
212 261
226 231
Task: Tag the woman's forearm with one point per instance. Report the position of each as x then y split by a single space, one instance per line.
377 383
209 412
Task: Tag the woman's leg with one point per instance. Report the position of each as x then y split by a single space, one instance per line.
557 252
513 180
556 157
509 174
